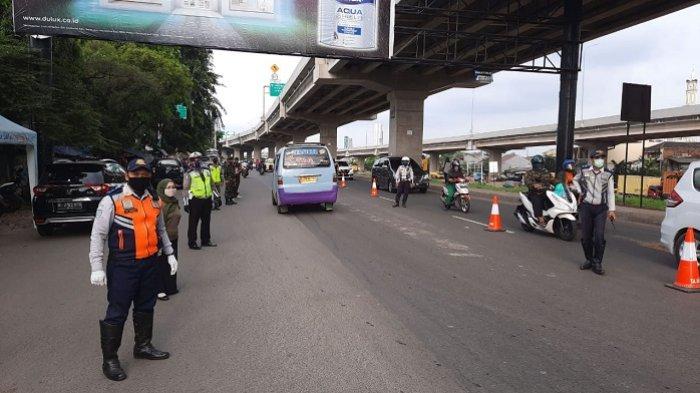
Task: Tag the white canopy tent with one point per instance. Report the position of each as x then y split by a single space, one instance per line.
14 134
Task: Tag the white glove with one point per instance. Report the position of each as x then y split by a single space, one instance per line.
98 278
172 261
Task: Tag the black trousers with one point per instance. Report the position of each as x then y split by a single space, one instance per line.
168 282
537 200
200 210
402 190
592 218
133 281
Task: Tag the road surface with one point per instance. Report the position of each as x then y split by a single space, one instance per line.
367 298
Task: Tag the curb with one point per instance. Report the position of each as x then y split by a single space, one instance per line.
624 213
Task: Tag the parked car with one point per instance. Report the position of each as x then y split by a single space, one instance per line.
168 168
385 167
344 168
70 192
682 211
304 174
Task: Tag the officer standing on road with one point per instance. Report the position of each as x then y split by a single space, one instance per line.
597 194
198 202
130 220
215 171
404 181
538 180
232 175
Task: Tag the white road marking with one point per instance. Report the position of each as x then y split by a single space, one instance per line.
478 223
386 199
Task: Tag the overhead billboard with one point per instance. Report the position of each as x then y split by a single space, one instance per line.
321 28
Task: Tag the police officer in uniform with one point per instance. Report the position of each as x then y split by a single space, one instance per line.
404 181
215 171
596 187
130 220
197 185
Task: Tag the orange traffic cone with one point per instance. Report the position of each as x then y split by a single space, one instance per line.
343 183
374 192
495 219
688 276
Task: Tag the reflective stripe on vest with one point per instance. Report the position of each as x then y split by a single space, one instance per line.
134 231
216 174
200 184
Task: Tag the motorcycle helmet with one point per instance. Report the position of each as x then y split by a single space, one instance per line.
568 165
537 162
405 161
456 164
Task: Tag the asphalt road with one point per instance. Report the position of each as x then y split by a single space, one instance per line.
366 298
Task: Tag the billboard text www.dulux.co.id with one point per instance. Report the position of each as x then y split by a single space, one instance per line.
322 28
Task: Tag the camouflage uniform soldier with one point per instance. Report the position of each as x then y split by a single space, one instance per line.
232 177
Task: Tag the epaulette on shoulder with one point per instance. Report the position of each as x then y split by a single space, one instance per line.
115 191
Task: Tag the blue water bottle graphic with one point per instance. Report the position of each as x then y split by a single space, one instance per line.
348 24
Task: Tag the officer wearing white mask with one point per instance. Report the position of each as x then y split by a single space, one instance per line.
597 189
404 181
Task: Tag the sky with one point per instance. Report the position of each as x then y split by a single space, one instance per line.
662 53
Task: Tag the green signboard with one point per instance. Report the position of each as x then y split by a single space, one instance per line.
181 111
276 89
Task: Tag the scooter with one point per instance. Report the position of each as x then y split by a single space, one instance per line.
560 218
10 199
460 198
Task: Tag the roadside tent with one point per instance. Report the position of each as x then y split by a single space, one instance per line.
14 134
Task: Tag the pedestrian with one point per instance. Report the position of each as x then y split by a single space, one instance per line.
404 181
130 220
596 187
170 209
215 170
232 176
198 202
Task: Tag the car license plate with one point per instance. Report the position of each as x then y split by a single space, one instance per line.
307 179
69 206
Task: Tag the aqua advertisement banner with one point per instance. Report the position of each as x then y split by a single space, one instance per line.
321 28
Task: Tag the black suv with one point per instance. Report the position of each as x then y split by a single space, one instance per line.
167 168
69 192
384 169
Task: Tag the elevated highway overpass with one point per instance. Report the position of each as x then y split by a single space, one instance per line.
597 133
441 45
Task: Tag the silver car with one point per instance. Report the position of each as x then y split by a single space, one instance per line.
682 211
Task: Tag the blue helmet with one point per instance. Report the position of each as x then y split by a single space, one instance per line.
568 165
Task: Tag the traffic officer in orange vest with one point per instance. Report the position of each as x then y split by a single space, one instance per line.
129 219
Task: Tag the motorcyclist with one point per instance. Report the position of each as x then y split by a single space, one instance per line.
538 180
566 179
453 175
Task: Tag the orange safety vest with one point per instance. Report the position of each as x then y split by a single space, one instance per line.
134 231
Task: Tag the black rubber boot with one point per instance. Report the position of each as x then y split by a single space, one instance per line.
588 253
143 332
110 340
598 260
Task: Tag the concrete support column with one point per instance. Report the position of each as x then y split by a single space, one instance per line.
494 155
257 152
279 145
434 162
406 123
237 152
271 151
329 137
298 138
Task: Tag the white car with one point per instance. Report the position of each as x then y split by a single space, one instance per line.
344 168
682 211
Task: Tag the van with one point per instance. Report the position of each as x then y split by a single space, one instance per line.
304 174
682 212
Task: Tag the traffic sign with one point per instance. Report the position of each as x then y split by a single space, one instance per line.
274 68
276 89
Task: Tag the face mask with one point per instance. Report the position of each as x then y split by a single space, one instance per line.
598 163
170 192
138 184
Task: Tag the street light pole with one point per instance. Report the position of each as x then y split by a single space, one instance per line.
262 117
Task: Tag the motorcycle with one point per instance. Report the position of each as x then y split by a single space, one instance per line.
261 169
460 198
244 171
10 199
560 217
